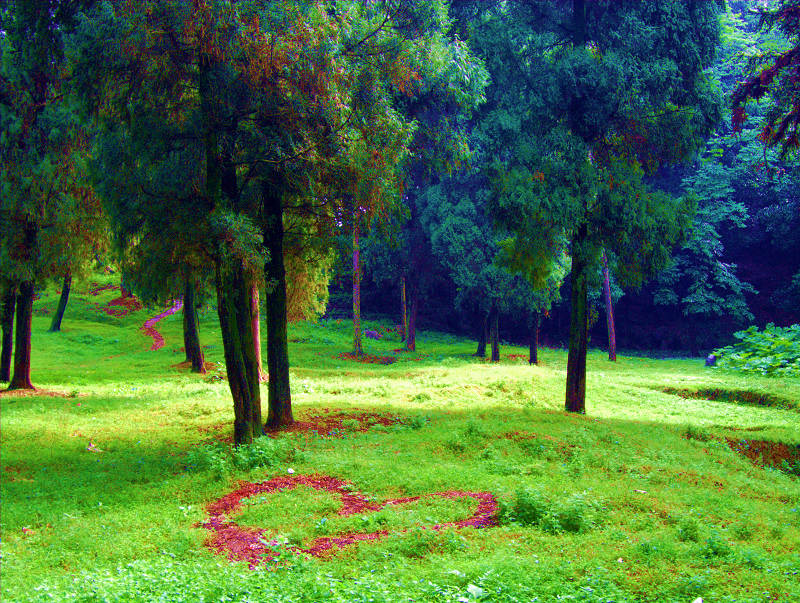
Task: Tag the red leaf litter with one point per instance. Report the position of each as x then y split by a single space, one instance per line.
149 330
254 545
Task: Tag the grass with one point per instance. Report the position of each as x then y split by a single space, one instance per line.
617 505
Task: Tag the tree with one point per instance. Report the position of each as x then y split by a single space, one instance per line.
610 95
45 206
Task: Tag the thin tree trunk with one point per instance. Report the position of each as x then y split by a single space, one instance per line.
55 324
533 355
280 398
255 318
483 325
494 333
22 346
578 336
191 337
403 309
411 337
357 347
7 319
612 337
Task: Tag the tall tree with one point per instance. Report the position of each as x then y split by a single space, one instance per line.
610 95
42 159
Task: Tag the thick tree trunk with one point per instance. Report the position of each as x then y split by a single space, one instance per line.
233 306
7 321
494 333
612 337
255 318
191 338
55 324
280 398
22 346
483 326
578 336
411 337
358 349
403 309
533 352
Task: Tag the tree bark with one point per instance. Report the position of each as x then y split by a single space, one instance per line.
255 318
483 325
233 306
280 398
578 335
403 309
358 349
191 338
533 352
411 337
55 324
22 346
232 284
7 318
612 337
494 333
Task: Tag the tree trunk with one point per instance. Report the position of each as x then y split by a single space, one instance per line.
612 337
232 285
7 319
403 309
533 355
411 337
280 398
191 338
357 347
494 333
483 325
22 346
578 336
233 306
55 324
255 318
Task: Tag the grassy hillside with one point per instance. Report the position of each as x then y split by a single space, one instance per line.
106 480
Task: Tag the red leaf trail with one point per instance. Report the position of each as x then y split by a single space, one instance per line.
252 545
149 330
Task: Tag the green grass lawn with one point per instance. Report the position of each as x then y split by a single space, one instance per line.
617 505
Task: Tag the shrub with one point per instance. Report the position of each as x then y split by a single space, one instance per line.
576 514
773 351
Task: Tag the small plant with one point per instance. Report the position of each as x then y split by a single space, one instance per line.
575 514
688 529
264 452
715 546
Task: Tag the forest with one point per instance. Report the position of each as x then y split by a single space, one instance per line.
393 300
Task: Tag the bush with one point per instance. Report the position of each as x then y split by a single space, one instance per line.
575 514
218 458
773 351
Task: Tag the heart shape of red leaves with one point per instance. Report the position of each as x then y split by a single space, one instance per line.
245 544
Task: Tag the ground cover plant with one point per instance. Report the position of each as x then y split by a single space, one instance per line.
113 467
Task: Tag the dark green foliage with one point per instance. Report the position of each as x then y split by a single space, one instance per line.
772 351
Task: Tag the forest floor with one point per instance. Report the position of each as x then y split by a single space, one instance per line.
431 477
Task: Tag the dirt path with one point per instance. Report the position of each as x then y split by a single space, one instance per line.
149 330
